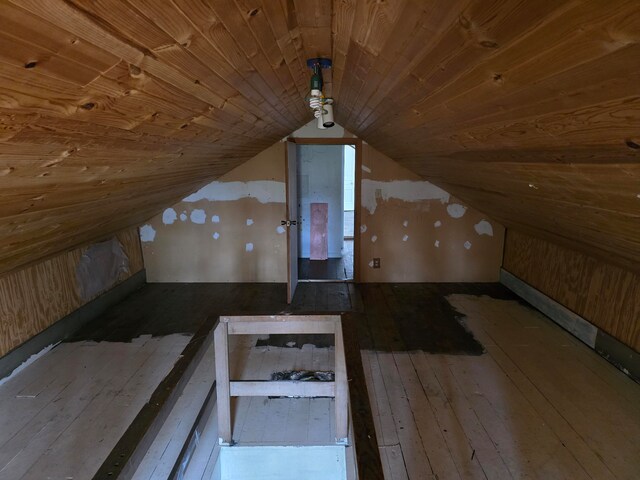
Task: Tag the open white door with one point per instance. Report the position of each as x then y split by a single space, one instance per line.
291 221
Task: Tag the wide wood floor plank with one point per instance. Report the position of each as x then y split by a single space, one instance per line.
594 426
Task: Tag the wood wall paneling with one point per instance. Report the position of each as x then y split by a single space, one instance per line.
35 297
605 295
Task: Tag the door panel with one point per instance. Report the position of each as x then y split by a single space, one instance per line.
292 217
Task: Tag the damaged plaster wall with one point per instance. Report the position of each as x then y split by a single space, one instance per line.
228 231
419 231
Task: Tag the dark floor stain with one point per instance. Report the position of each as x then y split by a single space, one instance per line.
417 316
398 317
297 341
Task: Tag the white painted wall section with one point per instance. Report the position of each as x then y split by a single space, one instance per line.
374 191
282 463
265 191
320 180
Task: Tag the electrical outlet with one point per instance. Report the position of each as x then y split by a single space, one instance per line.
376 263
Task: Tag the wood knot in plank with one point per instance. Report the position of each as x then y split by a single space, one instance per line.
135 71
488 44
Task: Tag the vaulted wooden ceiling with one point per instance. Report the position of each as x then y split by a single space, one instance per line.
111 110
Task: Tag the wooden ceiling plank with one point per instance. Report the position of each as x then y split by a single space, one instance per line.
356 54
553 105
615 121
313 22
584 188
289 48
82 21
211 27
19 24
597 93
241 26
264 37
394 25
41 61
433 22
499 75
394 47
342 25
476 35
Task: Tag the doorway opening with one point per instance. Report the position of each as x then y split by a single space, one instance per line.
326 178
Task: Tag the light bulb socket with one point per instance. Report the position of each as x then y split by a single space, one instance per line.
327 116
316 82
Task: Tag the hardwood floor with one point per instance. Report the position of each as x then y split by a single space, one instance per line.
536 404
61 416
337 269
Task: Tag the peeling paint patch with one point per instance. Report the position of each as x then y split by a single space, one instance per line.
28 362
249 222
215 235
436 243
405 238
198 216
147 233
169 216
249 247
437 224
183 217
374 238
483 228
408 191
467 244
363 228
405 224
366 169
215 219
280 230
265 191
455 210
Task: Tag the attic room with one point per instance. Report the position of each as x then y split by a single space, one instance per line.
319 239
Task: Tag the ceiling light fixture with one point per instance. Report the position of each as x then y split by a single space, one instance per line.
322 106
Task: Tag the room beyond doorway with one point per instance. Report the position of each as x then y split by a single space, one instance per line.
326 204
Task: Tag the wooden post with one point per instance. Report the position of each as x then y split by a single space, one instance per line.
221 344
342 387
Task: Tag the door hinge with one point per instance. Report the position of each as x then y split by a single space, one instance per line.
288 223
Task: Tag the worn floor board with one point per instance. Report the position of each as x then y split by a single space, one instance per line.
537 404
95 391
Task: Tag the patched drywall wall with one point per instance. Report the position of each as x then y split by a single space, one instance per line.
228 231
419 231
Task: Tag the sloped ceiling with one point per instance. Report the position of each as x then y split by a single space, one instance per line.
112 109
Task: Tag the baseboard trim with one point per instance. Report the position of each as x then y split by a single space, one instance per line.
67 326
612 349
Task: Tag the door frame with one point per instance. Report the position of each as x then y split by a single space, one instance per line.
357 143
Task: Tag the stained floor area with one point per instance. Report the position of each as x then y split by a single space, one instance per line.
536 404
